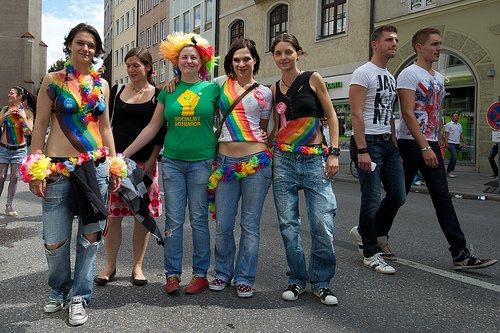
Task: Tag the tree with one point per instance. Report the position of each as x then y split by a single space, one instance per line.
57 66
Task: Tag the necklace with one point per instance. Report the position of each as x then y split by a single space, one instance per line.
138 91
288 85
92 101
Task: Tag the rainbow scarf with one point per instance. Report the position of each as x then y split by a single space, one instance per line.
238 171
15 128
299 131
237 122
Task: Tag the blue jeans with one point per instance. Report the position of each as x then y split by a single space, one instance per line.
252 190
57 227
454 148
184 183
437 184
376 217
292 172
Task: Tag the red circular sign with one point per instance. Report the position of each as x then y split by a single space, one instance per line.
493 116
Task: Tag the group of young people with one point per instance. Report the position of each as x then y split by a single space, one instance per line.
208 171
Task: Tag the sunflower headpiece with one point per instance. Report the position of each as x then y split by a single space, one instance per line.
172 46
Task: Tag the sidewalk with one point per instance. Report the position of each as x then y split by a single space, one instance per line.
466 185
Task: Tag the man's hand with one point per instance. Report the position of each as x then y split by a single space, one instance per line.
430 158
332 166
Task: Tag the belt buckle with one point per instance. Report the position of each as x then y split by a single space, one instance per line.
386 136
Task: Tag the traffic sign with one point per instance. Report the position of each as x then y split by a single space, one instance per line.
493 116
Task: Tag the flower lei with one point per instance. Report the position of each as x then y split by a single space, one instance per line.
117 166
305 150
35 167
237 171
91 96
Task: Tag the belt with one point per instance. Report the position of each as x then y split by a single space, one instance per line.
385 136
13 147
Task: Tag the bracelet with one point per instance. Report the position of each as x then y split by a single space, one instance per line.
35 167
117 166
363 150
335 151
426 148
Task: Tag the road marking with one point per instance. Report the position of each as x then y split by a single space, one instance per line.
450 275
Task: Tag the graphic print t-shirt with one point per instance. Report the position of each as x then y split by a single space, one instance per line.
380 95
429 94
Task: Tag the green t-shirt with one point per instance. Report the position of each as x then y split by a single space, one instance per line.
189 112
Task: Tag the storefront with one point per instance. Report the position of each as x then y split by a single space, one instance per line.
338 88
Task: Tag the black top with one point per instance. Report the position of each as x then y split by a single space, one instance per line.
128 120
301 101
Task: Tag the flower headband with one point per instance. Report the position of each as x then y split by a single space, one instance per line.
172 46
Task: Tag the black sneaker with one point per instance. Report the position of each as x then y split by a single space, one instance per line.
292 292
469 261
326 296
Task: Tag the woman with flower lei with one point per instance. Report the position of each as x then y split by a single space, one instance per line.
16 120
302 161
74 101
187 154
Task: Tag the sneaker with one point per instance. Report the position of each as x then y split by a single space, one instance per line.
419 183
53 306
244 290
292 292
385 250
451 175
172 284
377 263
217 285
77 312
326 296
469 261
356 238
197 285
10 211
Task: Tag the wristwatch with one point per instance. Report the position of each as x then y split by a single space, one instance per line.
333 151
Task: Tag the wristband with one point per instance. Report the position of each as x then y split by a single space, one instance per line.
363 150
426 148
334 151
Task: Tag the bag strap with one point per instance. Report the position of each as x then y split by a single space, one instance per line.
231 108
119 88
297 84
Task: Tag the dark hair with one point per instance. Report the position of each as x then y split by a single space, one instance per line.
144 57
83 27
26 97
236 45
377 33
286 37
421 36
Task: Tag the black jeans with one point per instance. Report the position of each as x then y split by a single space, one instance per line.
437 184
491 158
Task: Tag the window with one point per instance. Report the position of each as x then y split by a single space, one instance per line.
278 22
208 14
117 58
177 25
132 44
196 19
156 2
155 34
236 31
126 49
142 7
148 37
333 17
132 17
162 70
416 5
122 23
141 39
121 55
127 20
149 5
155 72
163 28
185 16
117 27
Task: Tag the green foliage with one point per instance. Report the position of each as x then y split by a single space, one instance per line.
57 66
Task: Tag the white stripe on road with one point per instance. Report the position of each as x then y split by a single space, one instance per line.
450 275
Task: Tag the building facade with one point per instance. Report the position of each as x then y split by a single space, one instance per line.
108 41
24 54
124 37
470 60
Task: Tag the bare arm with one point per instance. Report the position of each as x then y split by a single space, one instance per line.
357 96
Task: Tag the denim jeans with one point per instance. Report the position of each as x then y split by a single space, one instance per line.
252 190
375 216
292 172
57 227
454 148
185 183
437 184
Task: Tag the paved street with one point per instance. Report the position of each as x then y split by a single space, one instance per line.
425 294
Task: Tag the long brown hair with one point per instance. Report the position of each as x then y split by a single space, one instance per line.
145 58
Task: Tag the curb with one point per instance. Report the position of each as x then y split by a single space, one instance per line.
423 190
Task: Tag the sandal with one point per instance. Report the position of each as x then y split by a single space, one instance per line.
10 211
244 290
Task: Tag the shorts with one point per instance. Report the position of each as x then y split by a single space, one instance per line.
15 156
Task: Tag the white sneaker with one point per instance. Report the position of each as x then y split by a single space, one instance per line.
326 296
292 292
378 264
77 312
356 238
451 175
53 306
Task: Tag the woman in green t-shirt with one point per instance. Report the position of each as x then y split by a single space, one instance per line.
187 155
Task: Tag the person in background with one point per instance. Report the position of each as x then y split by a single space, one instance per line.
452 139
132 108
188 154
16 121
491 158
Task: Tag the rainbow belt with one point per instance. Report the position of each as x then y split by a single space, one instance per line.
304 150
237 171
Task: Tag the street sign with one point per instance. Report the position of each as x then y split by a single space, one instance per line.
495 136
493 116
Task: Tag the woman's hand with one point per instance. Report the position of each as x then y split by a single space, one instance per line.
170 86
149 167
332 166
37 187
115 182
